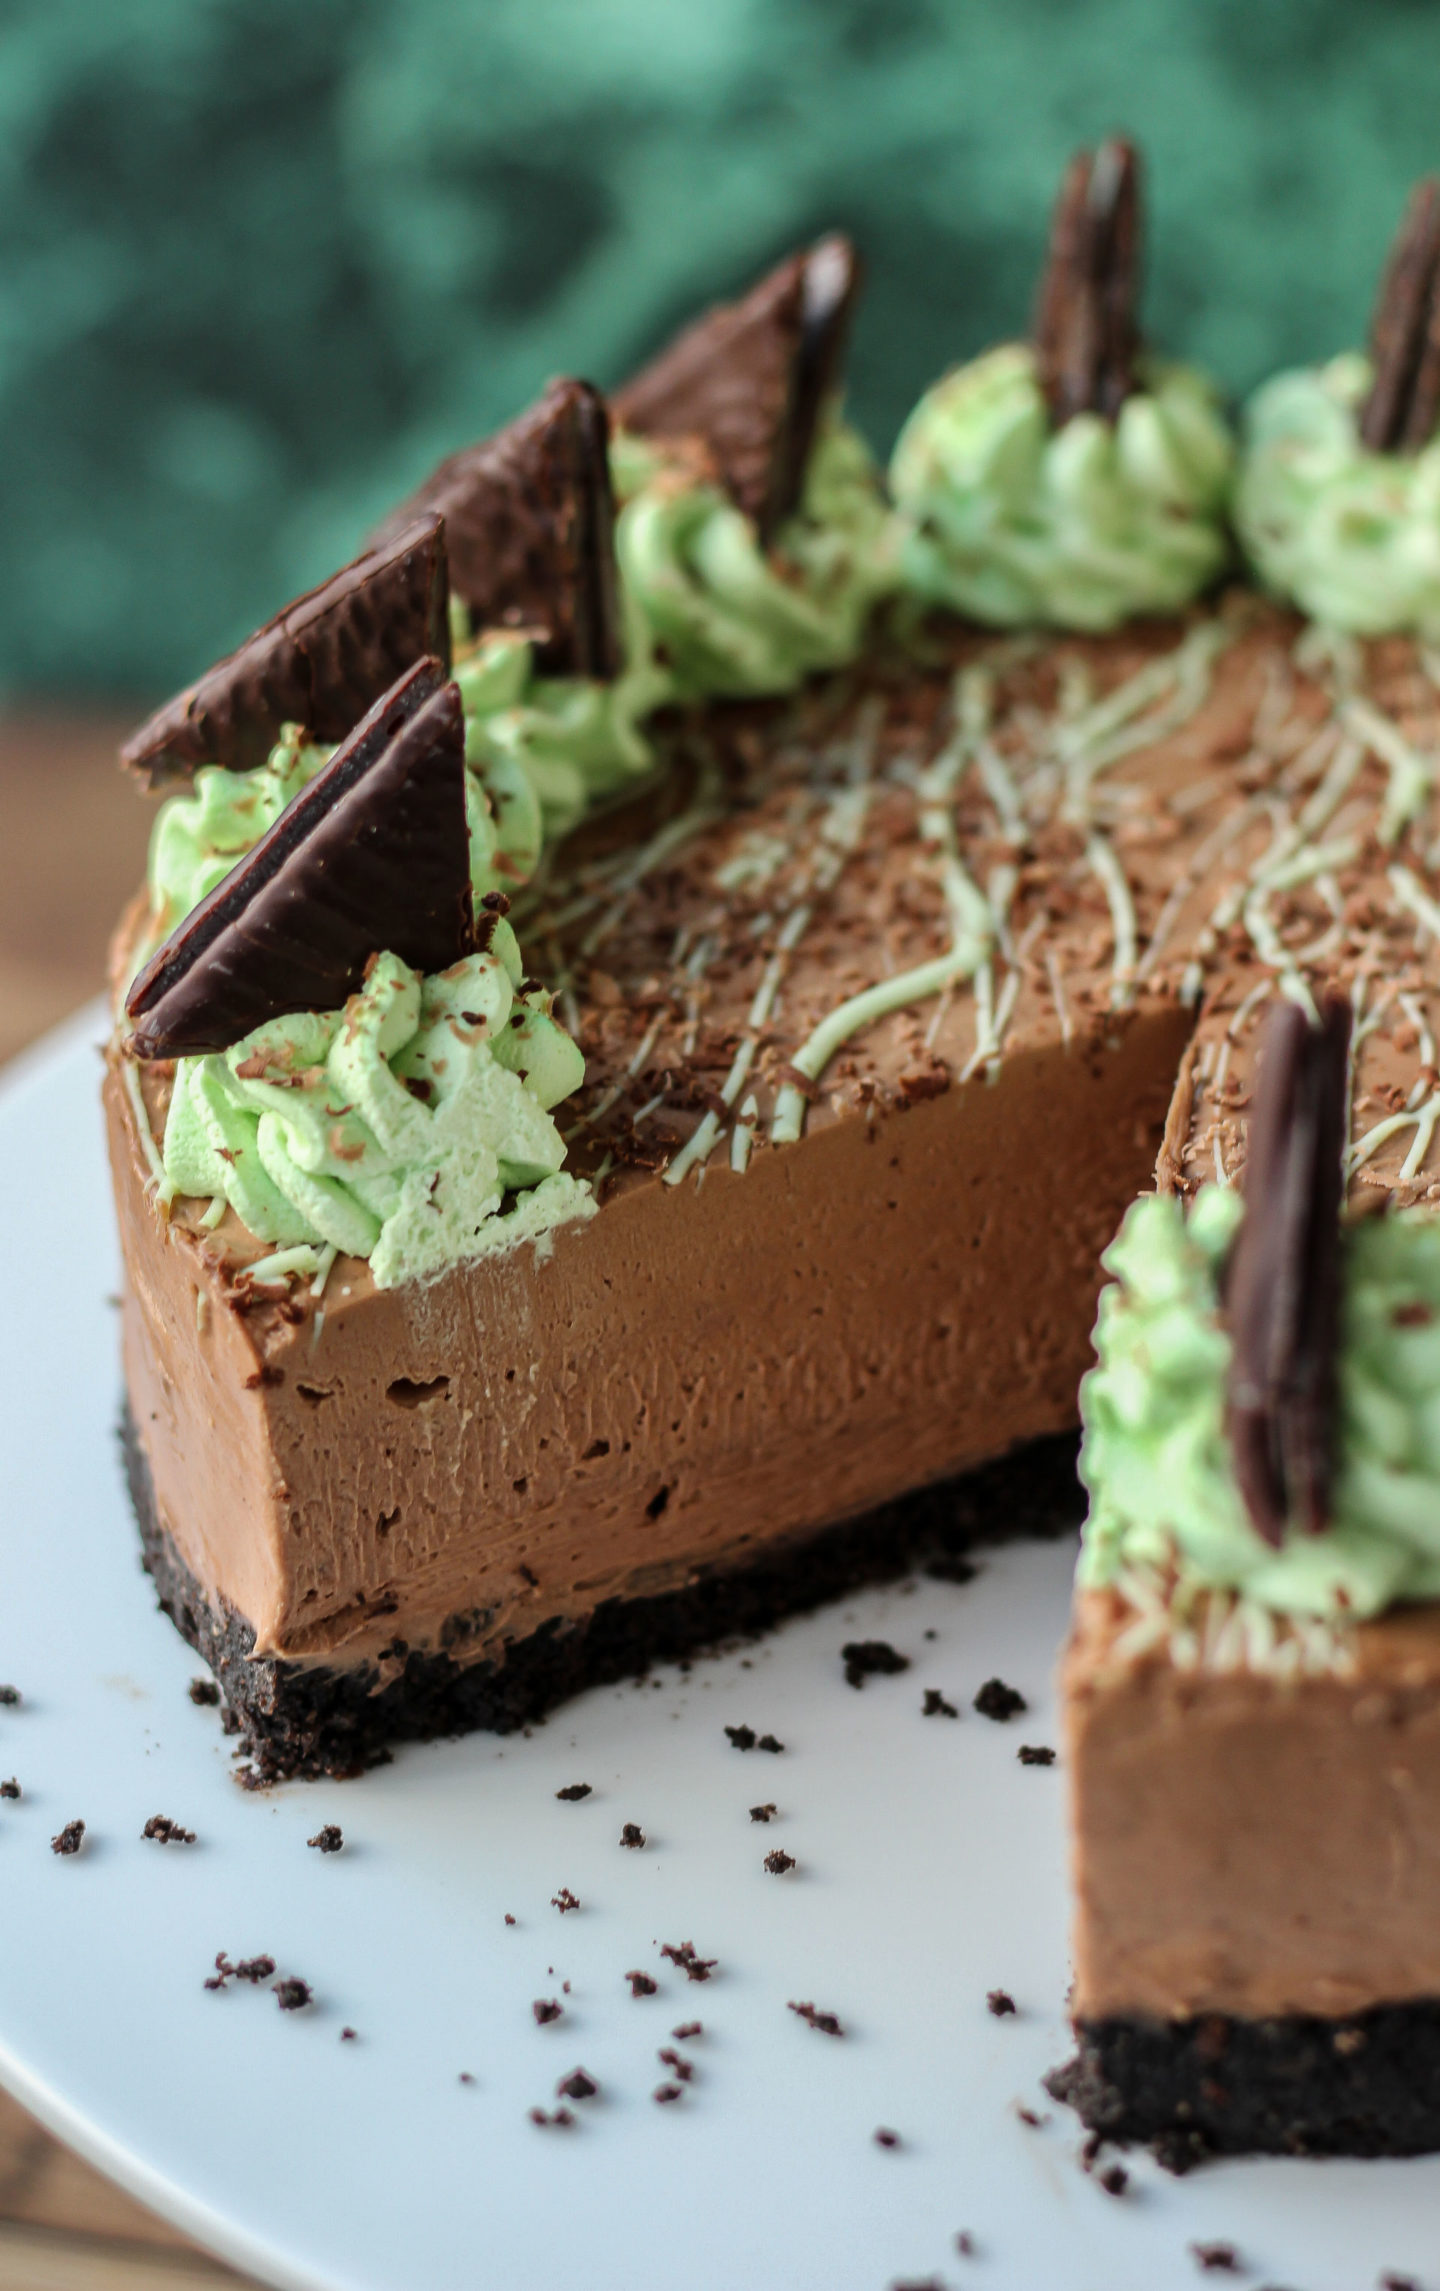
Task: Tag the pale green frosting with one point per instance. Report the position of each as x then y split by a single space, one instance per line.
1351 536
1014 522
728 616
1156 1458
393 1129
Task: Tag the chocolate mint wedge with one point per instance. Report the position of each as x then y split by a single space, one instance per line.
1403 405
1086 339
321 662
371 857
1283 1279
530 526
749 379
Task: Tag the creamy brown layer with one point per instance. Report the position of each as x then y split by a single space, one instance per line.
1248 1846
694 1375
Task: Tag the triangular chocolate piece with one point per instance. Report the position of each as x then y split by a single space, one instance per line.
372 857
321 662
1403 405
530 527
749 378
1086 339
1283 1279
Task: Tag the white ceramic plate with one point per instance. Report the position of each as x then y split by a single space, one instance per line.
930 1871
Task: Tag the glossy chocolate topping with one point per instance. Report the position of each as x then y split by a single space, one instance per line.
529 522
749 379
1085 333
372 856
1283 1283
1403 406
321 662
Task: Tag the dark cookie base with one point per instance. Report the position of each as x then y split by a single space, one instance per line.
1297 2086
302 1719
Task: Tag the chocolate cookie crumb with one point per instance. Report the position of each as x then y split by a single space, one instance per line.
508 1918
254 1969
1114 2180
741 1737
686 2030
167 1833
695 1968
1224 2259
683 2068
935 1705
292 1995
871 1658
1398 2283
564 1900
347 2036
827 2023
777 1863
768 1742
573 1792
465 2077
204 1691
72 1837
1036 1754
560 2116
9 1696
632 1835
765 1813
965 2244
998 1701
641 1984
547 2009
885 2138
577 2086
10 1789
999 2002
1030 2117
667 2092
327 1839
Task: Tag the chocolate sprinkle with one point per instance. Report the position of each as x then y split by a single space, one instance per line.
573 1793
777 1862
321 662
578 2085
1216 2258
999 2002
372 855
546 2009
558 2116
167 1833
292 1995
749 379
564 1900
1282 1284
827 2023
1085 333
686 2030
741 1737
69 1840
9 1697
10 1789
683 1954
885 2138
642 1984
1403 402
530 531
935 1705
765 1813
327 1838
632 1835
871 1658
665 2093
1035 1754
998 1701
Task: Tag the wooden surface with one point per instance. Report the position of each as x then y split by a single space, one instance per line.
72 848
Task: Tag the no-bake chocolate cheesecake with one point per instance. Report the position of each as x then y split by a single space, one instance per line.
631 1229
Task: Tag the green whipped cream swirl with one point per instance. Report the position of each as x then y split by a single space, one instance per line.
1013 522
540 750
1155 1455
1349 535
394 1129
729 617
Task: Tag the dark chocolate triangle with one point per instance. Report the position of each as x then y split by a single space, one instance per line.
1086 338
530 526
321 662
372 857
1403 405
749 378
1283 1279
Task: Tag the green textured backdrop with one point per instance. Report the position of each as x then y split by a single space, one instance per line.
261 261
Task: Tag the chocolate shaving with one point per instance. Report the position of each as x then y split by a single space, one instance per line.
373 855
321 662
749 379
530 530
1283 1279
1086 338
1403 405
